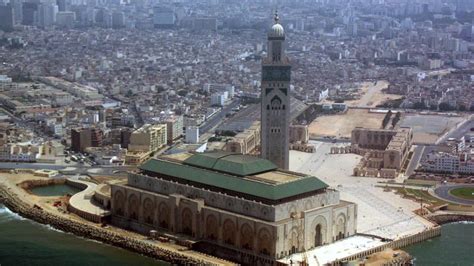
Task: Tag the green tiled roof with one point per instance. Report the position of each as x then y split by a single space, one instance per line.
234 183
236 164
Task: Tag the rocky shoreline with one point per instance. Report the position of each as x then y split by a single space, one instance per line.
16 205
451 218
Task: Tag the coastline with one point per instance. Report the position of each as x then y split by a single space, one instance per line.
11 197
451 218
16 205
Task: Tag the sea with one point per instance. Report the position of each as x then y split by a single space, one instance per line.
455 247
25 242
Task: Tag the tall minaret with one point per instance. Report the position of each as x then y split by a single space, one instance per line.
276 76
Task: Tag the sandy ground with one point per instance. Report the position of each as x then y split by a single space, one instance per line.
341 125
372 95
381 213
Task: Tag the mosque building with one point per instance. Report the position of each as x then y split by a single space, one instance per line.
238 207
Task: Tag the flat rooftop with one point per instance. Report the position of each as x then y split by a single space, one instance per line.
275 177
334 251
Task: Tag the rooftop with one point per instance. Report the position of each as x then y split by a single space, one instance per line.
234 173
231 163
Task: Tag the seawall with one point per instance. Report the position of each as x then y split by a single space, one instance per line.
395 244
35 213
451 218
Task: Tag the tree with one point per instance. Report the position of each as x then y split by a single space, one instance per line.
419 105
445 107
228 133
182 93
160 89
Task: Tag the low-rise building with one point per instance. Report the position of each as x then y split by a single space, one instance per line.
384 150
442 162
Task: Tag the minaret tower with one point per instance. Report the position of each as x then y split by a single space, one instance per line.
275 96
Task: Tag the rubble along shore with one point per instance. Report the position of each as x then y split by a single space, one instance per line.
451 218
15 204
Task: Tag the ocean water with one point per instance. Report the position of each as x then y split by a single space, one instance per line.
24 242
455 247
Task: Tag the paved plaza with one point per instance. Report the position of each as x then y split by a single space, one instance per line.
380 213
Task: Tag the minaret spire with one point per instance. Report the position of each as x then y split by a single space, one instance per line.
275 97
276 18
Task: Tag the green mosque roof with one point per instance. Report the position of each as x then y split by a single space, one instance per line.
228 171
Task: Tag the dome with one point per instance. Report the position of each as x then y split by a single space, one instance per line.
277 31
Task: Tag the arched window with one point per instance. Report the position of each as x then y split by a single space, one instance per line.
246 237
212 227
133 207
119 201
228 233
187 222
318 237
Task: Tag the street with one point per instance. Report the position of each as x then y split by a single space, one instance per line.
219 117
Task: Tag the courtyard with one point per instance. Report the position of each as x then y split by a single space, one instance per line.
380 213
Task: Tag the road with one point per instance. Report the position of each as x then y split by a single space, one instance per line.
415 160
457 133
112 170
219 117
443 193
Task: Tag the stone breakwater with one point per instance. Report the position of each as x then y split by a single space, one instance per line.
91 232
451 218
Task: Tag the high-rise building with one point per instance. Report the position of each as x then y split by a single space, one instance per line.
65 19
149 138
82 138
30 13
63 5
47 15
192 135
163 17
18 10
118 19
7 17
275 98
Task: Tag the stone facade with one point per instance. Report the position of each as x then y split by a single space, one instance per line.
239 229
384 151
275 96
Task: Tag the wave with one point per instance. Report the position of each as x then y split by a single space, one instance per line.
8 213
49 227
464 222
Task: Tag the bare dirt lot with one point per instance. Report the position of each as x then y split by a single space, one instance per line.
372 95
341 125
428 128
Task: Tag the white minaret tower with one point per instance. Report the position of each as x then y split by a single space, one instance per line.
275 95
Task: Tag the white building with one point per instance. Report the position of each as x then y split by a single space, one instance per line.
192 135
442 162
218 99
